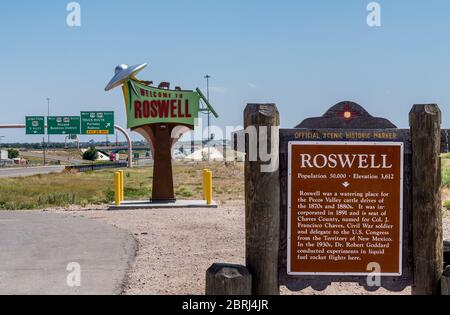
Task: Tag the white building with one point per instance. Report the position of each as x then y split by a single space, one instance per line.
3 155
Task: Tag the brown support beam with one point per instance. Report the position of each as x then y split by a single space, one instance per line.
162 189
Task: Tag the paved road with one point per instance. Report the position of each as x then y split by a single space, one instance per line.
36 249
29 171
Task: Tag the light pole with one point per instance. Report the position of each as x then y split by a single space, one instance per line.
207 77
48 114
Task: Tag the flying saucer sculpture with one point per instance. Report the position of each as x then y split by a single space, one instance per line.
122 73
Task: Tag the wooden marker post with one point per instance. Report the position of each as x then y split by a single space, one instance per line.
226 279
425 123
262 202
445 282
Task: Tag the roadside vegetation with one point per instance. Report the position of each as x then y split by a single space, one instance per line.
97 188
91 154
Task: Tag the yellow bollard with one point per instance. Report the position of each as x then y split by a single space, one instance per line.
122 188
208 185
117 195
205 174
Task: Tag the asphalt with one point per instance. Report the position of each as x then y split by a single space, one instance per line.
36 249
29 171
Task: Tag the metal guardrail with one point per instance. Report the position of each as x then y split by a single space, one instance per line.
95 167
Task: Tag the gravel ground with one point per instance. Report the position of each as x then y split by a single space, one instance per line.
176 247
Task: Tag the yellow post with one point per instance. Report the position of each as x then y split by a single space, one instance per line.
205 174
117 188
209 183
122 186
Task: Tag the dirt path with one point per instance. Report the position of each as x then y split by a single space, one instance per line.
177 246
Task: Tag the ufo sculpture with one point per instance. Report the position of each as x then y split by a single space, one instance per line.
161 116
122 73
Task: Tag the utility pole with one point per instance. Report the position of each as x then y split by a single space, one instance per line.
43 149
48 114
207 77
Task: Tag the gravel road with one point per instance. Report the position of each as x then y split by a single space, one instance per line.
175 247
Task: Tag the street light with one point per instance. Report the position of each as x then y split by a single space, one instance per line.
207 77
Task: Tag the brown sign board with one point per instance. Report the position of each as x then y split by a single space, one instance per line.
345 207
345 202
366 205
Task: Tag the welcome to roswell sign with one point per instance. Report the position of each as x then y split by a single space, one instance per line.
150 105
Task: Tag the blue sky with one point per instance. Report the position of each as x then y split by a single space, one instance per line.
304 55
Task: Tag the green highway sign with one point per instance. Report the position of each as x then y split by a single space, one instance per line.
35 125
97 123
63 125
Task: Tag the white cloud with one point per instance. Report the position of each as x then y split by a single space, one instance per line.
252 85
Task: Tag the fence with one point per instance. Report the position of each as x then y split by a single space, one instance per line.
96 167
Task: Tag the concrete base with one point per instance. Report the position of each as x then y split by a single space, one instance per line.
142 204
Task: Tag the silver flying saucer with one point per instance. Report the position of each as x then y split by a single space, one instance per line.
122 73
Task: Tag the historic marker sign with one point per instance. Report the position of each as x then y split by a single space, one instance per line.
345 201
345 208
63 125
97 123
35 125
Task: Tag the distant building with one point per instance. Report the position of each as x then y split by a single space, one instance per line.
4 155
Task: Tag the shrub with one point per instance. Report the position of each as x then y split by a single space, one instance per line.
13 154
91 154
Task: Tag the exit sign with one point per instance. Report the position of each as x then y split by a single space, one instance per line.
63 125
97 123
35 125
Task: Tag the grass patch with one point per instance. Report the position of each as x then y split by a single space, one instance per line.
446 177
447 204
97 187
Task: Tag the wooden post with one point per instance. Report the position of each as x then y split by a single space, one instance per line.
226 279
445 281
262 200
447 253
425 123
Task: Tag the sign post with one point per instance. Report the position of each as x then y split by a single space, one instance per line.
97 123
35 125
63 125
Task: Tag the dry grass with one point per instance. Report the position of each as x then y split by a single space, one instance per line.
61 190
